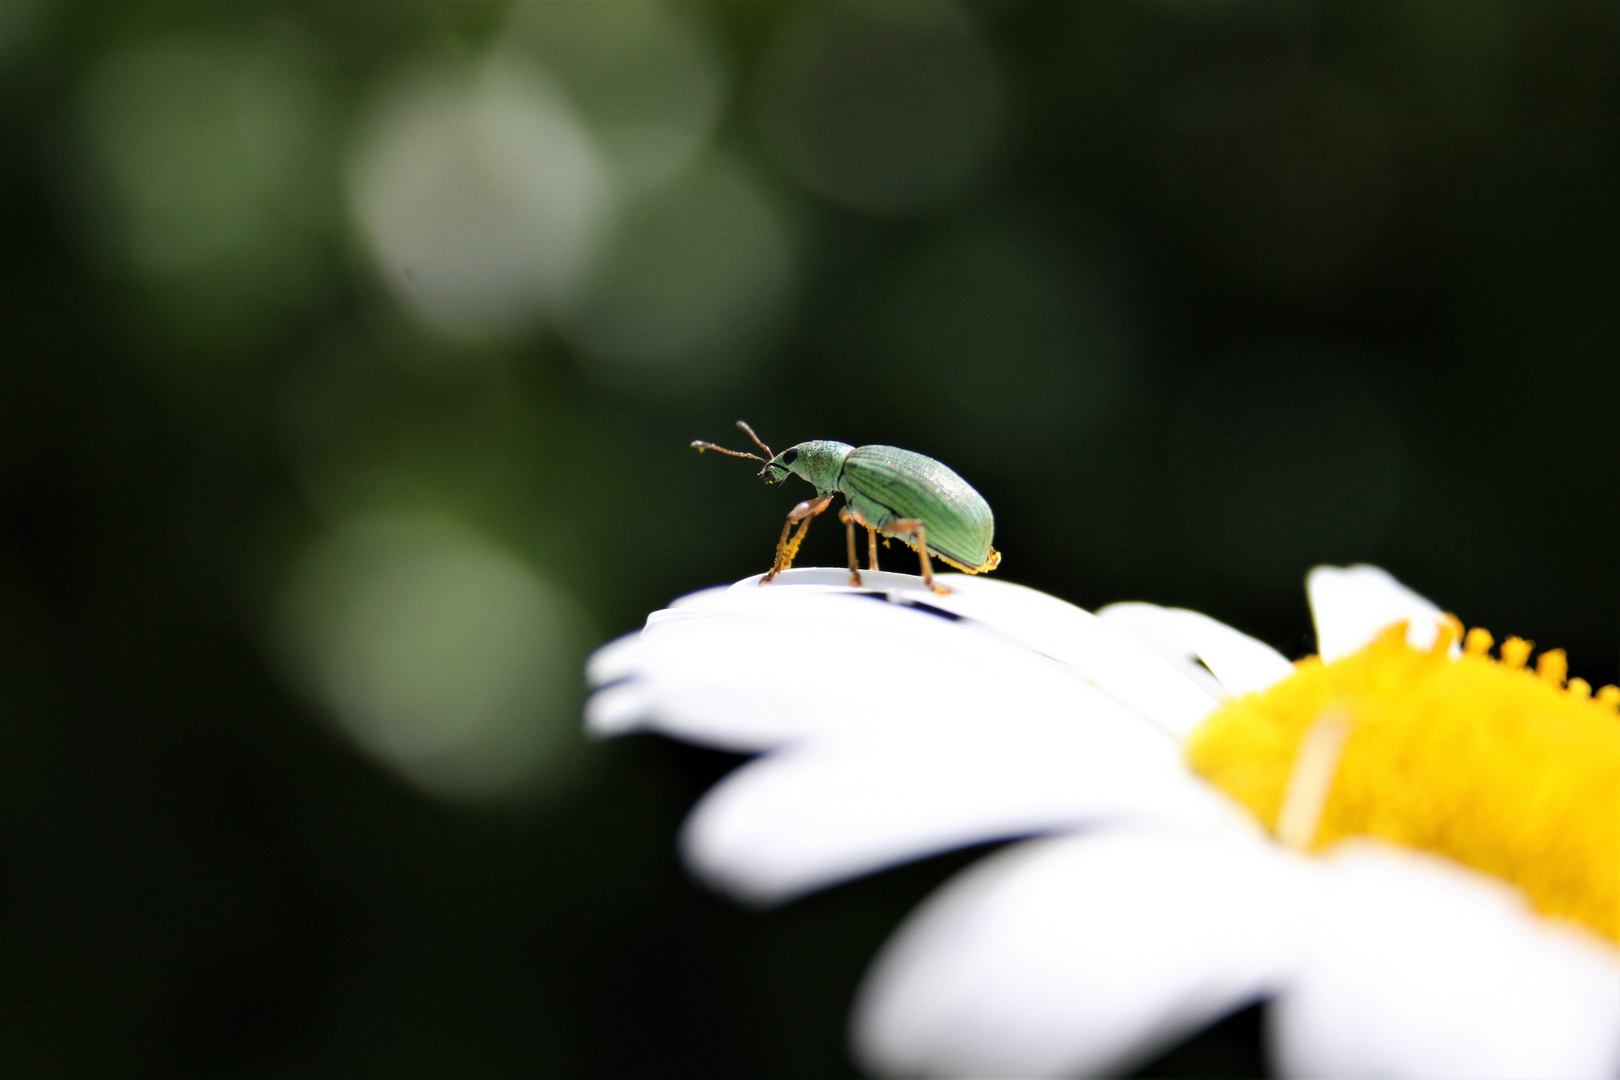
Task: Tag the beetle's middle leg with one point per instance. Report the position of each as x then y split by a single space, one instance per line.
914 527
786 548
852 518
849 519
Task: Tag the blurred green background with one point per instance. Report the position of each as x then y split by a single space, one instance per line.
351 354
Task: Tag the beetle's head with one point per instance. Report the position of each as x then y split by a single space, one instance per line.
780 467
817 462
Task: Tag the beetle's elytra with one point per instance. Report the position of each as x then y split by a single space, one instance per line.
887 491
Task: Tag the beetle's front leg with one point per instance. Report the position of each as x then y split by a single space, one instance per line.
801 515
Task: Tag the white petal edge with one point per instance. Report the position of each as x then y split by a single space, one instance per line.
754 673
1425 969
798 603
1082 955
618 710
1240 664
1145 623
1350 606
616 660
1118 663
1115 661
819 813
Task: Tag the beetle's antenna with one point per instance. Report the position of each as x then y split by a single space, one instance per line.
744 426
699 445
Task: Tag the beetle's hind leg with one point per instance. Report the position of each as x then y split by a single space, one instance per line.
786 548
914 527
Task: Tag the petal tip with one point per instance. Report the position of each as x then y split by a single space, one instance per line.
745 877
1351 605
616 660
617 710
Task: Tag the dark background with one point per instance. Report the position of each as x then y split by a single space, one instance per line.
351 351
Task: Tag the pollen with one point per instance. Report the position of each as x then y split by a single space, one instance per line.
1489 762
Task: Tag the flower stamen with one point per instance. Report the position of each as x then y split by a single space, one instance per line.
1552 666
1449 630
1503 769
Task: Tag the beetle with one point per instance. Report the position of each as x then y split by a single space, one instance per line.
887 491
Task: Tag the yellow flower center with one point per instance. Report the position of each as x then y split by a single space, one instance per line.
1500 768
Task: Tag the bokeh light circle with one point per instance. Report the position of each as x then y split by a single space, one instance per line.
480 196
885 107
203 173
697 280
438 653
646 78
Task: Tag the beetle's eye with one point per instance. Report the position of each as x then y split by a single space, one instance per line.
790 455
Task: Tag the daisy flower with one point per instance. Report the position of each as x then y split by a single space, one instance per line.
1407 846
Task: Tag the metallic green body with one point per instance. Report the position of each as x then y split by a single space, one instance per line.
884 484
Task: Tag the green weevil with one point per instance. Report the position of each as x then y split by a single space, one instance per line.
887 491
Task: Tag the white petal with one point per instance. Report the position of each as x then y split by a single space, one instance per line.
822 812
1079 956
760 673
1241 664
614 661
1147 624
617 710
1351 606
1425 969
810 635
1115 661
